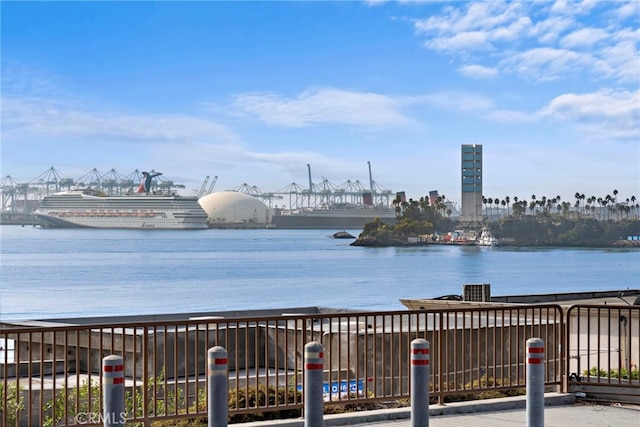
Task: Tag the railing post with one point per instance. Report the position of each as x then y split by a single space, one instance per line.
313 372
113 391
420 383
440 370
535 382
218 393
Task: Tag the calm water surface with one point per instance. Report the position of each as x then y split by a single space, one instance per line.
62 273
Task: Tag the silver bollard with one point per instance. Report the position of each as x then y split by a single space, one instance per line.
218 389
535 382
113 391
420 360
313 372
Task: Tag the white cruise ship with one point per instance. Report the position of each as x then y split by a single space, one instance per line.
139 211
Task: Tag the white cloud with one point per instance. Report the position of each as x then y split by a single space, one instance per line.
572 7
610 114
323 106
478 71
37 116
545 64
628 10
549 30
511 32
477 40
620 62
537 40
584 38
477 16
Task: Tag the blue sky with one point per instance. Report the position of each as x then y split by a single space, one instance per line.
252 92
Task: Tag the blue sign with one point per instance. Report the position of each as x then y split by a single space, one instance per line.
343 387
340 388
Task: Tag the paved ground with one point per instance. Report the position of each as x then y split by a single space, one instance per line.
555 416
561 410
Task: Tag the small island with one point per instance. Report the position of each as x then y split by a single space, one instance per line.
589 222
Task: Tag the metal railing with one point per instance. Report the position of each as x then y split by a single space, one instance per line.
51 375
604 351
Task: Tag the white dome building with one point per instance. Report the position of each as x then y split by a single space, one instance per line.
231 207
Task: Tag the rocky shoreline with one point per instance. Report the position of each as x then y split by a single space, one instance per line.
374 242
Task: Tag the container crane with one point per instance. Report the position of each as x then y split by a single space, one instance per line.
202 188
213 184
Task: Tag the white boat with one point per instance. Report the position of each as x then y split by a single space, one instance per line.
487 239
140 210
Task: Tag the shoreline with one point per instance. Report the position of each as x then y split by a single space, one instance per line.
376 243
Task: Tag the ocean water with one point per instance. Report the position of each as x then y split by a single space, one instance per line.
50 273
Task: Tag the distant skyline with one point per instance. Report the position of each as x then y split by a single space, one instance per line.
252 92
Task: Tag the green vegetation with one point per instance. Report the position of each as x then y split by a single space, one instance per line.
75 403
413 218
83 404
625 374
483 388
14 401
592 221
545 229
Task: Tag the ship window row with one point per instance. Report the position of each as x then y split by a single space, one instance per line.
111 207
112 214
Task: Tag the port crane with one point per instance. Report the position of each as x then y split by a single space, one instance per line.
204 186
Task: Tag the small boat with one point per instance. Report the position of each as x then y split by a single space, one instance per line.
486 239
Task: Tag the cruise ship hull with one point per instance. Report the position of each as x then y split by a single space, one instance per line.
77 210
330 219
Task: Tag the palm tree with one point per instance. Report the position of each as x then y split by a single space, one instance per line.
490 202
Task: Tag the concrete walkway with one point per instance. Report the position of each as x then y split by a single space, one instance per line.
561 410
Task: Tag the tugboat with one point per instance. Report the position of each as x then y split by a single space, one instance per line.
487 239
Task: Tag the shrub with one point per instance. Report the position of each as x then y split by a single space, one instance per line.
481 389
14 402
625 374
255 397
74 402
